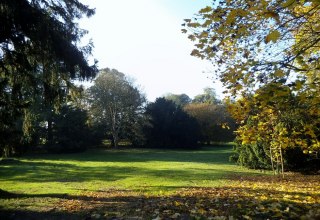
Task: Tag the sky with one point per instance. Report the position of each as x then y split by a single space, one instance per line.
143 39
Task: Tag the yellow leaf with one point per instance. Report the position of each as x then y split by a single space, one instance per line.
272 36
299 85
192 37
231 17
279 73
204 34
288 3
271 14
315 2
205 10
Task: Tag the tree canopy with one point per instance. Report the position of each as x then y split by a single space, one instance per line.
30 28
181 99
215 123
257 42
170 126
40 54
115 102
266 53
208 96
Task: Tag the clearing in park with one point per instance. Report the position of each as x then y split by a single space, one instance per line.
151 184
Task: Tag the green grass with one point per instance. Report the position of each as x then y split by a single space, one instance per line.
147 184
144 170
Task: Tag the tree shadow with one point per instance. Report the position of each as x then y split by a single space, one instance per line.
190 203
33 215
209 155
26 171
42 172
54 168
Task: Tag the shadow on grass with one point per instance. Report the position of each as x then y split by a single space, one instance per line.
270 201
60 172
209 155
33 215
33 172
69 168
202 203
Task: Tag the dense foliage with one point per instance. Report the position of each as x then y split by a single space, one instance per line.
117 104
208 96
181 99
267 55
71 132
257 42
170 126
39 56
215 123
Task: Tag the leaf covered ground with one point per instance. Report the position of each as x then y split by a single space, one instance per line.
257 197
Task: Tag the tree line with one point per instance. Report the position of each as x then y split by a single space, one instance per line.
40 104
114 109
266 53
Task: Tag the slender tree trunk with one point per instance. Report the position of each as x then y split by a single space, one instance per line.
271 158
49 131
115 139
48 102
6 151
282 165
115 135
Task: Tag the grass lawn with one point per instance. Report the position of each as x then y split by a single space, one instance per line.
151 171
148 184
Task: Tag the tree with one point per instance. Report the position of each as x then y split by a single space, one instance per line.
266 53
181 99
39 55
70 130
256 42
115 102
284 124
62 130
170 126
208 96
214 121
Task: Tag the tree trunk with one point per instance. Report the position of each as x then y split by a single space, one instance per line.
49 131
115 139
271 158
114 129
282 165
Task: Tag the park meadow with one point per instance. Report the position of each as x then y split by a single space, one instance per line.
151 184
224 128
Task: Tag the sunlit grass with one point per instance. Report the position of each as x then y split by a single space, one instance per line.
143 170
148 183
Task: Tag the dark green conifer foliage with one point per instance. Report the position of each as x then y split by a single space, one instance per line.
170 126
39 55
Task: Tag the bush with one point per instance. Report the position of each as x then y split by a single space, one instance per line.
257 157
251 156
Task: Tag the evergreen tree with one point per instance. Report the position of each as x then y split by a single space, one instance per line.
39 55
170 126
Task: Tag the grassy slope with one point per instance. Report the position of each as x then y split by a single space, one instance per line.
151 171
